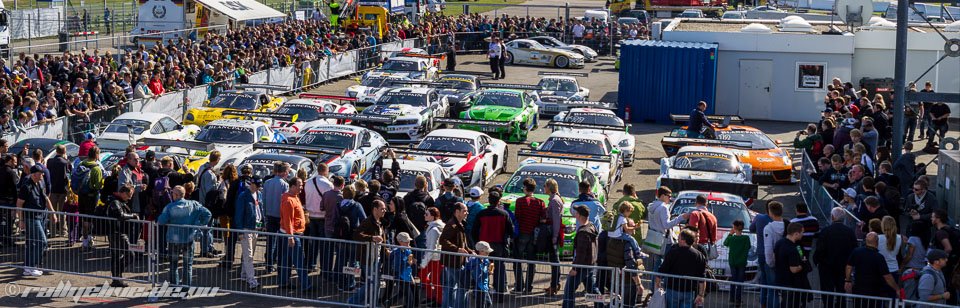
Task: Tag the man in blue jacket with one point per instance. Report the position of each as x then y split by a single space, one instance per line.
182 212
247 217
697 121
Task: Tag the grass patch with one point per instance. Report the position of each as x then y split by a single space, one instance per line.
456 7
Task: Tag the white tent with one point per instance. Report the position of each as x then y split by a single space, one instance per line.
242 10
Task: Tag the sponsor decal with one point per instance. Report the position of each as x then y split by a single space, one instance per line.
221 127
706 155
547 175
710 202
561 139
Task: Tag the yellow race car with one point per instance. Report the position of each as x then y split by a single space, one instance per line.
235 100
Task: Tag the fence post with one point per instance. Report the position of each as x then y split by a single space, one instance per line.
566 13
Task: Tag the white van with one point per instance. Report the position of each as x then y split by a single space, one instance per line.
591 15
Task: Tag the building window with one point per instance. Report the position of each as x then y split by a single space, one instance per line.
810 76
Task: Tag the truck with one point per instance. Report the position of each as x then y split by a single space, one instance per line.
669 8
371 14
4 32
162 20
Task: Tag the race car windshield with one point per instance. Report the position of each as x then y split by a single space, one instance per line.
125 126
264 171
459 83
500 99
224 134
460 145
760 140
403 99
373 82
328 139
727 212
567 184
702 161
407 177
234 101
562 85
593 118
574 146
394 65
306 113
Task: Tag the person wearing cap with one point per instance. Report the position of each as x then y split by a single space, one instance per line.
474 207
480 272
584 253
248 217
89 141
932 287
447 199
32 196
400 267
495 227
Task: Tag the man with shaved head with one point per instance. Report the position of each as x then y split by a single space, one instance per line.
867 274
182 212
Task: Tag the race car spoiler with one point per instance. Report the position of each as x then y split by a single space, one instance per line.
571 74
435 84
261 86
299 148
592 104
416 55
183 144
557 155
586 126
680 119
702 141
745 190
471 122
320 96
357 117
423 152
510 86
266 115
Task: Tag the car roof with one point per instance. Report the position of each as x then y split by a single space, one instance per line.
692 194
287 158
458 133
700 148
504 90
577 135
335 127
247 92
738 128
145 116
464 76
309 101
542 167
524 40
416 90
236 123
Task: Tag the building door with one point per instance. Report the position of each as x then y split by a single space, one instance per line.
755 87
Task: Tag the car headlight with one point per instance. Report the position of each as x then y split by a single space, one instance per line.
624 143
405 122
466 177
351 93
189 117
336 169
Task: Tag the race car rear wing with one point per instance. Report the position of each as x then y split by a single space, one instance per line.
267 87
557 155
709 142
434 84
332 97
297 148
514 86
471 122
357 117
423 152
183 144
745 190
571 74
554 124
681 119
417 55
264 115
592 104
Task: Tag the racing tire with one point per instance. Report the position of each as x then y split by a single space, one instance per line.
506 153
561 62
509 59
355 169
483 177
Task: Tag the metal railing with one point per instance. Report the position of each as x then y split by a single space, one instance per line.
818 199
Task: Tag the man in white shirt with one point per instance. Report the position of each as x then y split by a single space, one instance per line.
313 191
578 30
494 54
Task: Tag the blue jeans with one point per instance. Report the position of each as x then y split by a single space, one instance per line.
177 249
360 297
677 299
345 257
585 277
633 245
525 250
270 254
454 287
482 299
737 274
206 239
768 296
295 254
311 247
36 238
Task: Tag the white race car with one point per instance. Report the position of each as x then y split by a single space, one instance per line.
235 138
563 85
474 157
410 169
727 208
524 51
591 151
408 66
372 85
588 53
306 111
349 149
132 126
598 120
404 114
709 168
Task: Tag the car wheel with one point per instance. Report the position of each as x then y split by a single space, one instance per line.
503 168
561 62
356 169
483 177
509 59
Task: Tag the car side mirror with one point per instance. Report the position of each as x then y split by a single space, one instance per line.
179 126
264 138
615 151
534 145
582 89
778 141
206 103
488 149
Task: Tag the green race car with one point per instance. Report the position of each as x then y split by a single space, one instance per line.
568 179
509 113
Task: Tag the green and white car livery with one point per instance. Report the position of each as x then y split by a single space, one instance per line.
508 111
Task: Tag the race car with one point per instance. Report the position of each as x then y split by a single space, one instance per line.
306 111
407 66
187 155
235 138
181 163
597 120
262 163
560 86
392 53
592 151
472 156
727 208
238 100
509 113
568 180
459 90
370 88
524 51
410 169
713 168
346 149
588 53
48 145
771 164
406 114
125 129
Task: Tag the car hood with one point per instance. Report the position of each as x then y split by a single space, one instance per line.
766 160
454 95
567 94
705 175
599 169
392 110
496 113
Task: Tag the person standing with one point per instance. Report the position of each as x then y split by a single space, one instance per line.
119 241
890 245
493 53
208 180
811 227
531 212
867 274
503 60
932 287
88 195
131 175
331 209
314 189
495 227
698 121
431 269
791 267
370 230
834 246
584 253
454 239
273 190
939 121
292 223
474 207
32 196
659 214
248 217
772 232
447 200
683 260
60 170
739 246
554 212
706 224
350 214
182 212
945 238
9 177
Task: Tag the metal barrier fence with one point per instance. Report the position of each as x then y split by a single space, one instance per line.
117 43
818 199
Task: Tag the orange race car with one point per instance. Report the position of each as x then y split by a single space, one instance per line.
770 163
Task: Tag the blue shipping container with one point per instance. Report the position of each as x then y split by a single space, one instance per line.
658 78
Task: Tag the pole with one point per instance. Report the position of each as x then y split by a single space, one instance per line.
900 79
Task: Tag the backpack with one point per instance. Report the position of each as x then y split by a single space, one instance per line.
161 192
80 180
609 221
909 282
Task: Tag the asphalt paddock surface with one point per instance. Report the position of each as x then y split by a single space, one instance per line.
603 85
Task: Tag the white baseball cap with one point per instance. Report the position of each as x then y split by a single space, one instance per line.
476 192
484 247
850 192
403 237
